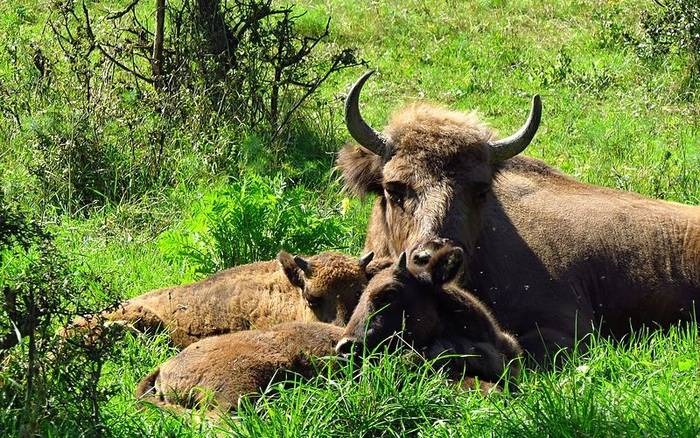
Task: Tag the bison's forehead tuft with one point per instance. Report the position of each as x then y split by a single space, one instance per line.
427 129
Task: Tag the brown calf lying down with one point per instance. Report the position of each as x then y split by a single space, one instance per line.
237 364
222 369
324 287
436 316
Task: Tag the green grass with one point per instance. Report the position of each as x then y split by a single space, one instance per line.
646 387
610 118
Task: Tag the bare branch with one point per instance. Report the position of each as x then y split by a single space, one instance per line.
122 66
339 63
123 12
88 29
306 48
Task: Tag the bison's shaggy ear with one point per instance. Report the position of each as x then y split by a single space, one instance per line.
291 269
446 265
362 170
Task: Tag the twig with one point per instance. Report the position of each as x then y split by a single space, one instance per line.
337 66
123 12
124 67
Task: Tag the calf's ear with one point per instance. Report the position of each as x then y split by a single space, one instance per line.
446 265
291 268
365 259
361 169
401 264
377 265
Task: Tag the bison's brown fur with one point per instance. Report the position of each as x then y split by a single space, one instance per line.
229 366
324 287
551 256
436 317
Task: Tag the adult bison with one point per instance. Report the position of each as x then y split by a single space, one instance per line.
551 256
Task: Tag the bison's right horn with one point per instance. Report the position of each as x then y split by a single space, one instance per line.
358 128
516 143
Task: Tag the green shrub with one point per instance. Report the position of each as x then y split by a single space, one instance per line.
46 381
98 118
253 219
673 27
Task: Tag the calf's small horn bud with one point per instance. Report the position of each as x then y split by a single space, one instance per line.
401 264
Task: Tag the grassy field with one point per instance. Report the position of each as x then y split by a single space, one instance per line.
610 118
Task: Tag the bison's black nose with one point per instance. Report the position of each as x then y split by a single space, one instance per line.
421 258
422 252
344 346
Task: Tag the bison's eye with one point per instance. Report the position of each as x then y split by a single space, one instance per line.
396 192
395 198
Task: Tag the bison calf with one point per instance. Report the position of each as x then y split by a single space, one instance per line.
222 369
324 287
435 315
237 364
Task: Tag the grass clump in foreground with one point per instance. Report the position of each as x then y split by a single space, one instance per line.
252 219
645 386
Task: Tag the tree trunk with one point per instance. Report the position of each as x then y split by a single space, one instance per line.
220 38
157 58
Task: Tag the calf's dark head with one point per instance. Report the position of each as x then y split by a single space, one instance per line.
403 298
432 168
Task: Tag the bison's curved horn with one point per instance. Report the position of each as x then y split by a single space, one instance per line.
358 128
516 143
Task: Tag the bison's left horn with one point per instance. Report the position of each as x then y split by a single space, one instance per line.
358 128
516 143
